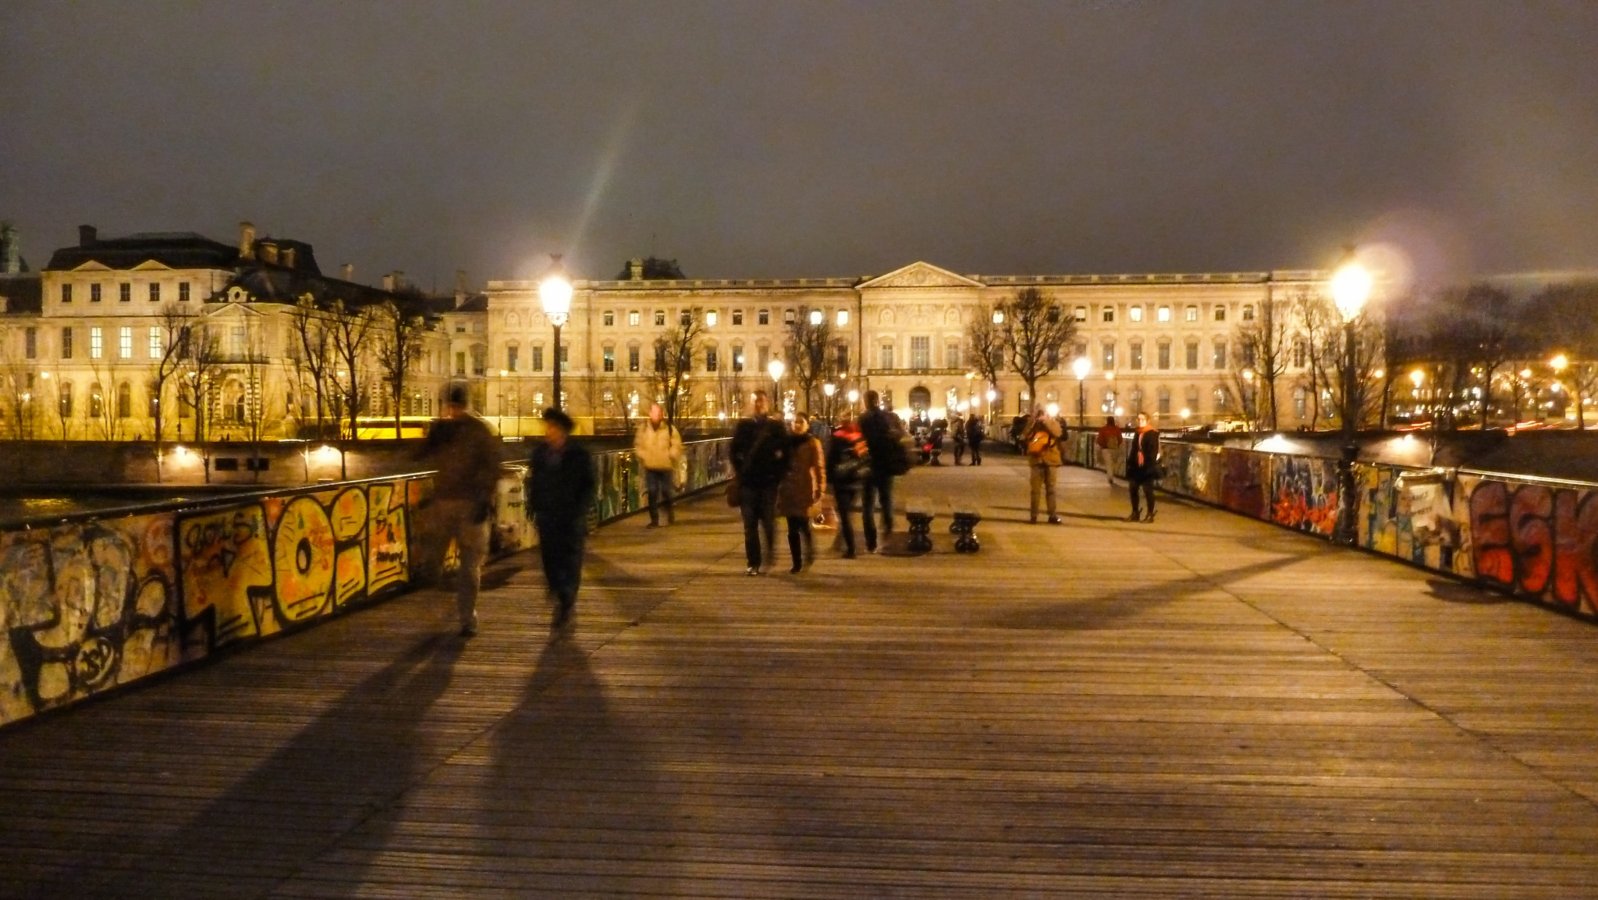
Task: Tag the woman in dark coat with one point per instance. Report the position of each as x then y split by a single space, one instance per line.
799 494
1142 466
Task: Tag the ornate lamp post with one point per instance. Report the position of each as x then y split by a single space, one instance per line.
1351 288
775 368
555 295
1080 367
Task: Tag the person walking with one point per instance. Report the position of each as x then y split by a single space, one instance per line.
658 446
975 434
467 454
848 465
759 460
1041 440
560 490
883 435
957 432
1107 441
799 495
1143 466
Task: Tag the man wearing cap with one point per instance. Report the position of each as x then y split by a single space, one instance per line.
467 454
560 489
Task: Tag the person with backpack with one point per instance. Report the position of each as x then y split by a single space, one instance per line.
975 434
759 459
884 436
1041 441
848 466
1107 441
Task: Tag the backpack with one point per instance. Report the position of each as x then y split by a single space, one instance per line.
1039 443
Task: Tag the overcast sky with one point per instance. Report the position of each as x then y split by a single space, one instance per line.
786 139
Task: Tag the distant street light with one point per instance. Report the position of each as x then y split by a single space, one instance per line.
775 368
1351 288
555 295
1081 367
828 389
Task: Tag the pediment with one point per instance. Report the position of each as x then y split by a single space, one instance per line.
921 275
92 266
151 265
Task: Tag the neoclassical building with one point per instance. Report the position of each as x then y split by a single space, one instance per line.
1165 344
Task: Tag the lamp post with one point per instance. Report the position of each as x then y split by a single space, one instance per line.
1081 366
828 389
1559 363
775 368
1248 398
555 295
992 395
1351 287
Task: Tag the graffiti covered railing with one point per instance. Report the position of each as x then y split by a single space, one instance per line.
96 601
1536 538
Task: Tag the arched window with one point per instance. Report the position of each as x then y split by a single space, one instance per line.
65 399
96 402
512 321
124 401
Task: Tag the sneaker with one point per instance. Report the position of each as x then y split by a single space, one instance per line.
751 571
1055 520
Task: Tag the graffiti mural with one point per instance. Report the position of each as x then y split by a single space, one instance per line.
1538 540
1304 493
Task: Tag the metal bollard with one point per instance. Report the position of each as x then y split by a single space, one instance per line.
920 532
965 530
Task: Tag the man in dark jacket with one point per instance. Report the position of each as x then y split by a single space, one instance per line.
560 490
1143 466
882 431
466 452
974 435
759 457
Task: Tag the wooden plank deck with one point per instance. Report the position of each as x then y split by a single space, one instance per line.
1201 707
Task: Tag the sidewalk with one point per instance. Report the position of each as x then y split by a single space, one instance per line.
1205 706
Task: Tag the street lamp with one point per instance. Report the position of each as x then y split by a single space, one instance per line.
1081 367
775 368
1351 288
828 389
555 295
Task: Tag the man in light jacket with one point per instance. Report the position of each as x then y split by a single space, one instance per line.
658 446
1041 440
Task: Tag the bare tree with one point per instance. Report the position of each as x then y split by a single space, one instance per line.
987 345
313 354
806 344
15 377
1319 333
1365 405
1033 331
1263 349
675 351
399 347
202 362
1568 314
102 410
352 337
1462 336
174 322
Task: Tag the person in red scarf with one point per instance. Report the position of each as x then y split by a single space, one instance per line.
1142 466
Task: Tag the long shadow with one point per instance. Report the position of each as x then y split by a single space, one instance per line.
354 759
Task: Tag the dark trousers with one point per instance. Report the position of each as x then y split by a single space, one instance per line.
758 505
560 547
657 484
878 491
1136 483
959 451
843 499
976 453
800 542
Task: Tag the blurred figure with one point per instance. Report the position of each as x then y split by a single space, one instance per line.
658 446
759 460
1107 441
957 433
1041 441
1143 466
848 466
560 490
466 452
799 495
975 434
884 436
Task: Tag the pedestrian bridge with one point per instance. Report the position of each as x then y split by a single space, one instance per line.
1204 706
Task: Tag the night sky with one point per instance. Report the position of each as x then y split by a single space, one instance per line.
767 139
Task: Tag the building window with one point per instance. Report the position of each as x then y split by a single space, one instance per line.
124 292
737 317
1192 354
124 401
763 317
1136 360
94 293
125 342
1248 312
920 352
843 318
843 358
1219 357
66 293
65 402
1300 402
1190 314
1109 357
1163 402
157 346
155 293
152 401
513 357
764 357
712 359
66 342
1135 314
737 358
1163 354
885 357
609 318
951 355
608 357
183 292
30 342
1108 314
685 318
1163 314
1220 313
660 318
536 357
563 352
96 402
96 343
712 318
632 318
1080 314
632 358
460 362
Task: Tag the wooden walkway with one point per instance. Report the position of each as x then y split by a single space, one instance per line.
1201 707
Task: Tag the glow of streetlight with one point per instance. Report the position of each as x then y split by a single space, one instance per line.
555 294
998 317
992 395
854 396
1053 409
775 368
1248 375
1082 366
1559 362
1351 287
829 389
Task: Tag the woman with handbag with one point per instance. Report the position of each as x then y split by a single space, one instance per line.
1142 466
799 494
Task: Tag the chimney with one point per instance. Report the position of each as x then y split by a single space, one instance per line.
246 240
269 252
346 272
460 287
288 257
388 282
10 249
635 269
87 235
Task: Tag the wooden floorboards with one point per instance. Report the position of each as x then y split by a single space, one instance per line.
1200 707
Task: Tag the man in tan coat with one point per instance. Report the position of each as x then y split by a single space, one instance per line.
658 446
1041 440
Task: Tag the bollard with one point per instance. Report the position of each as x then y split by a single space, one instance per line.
965 530
920 531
